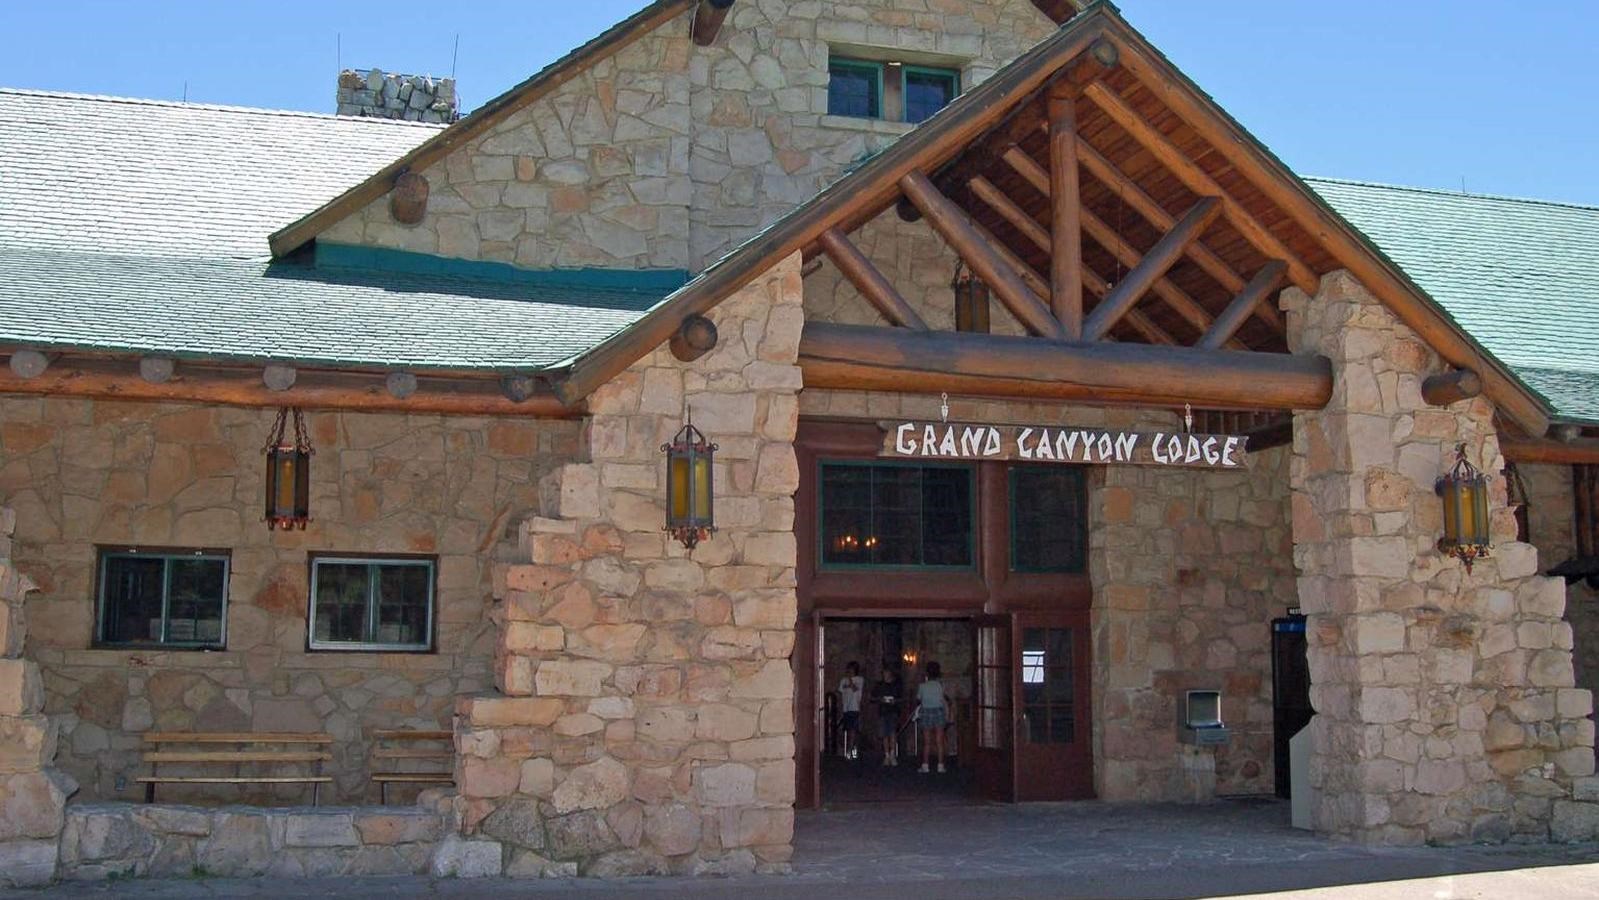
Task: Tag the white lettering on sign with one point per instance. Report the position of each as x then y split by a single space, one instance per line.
950 440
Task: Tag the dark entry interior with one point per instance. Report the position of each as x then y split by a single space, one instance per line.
903 647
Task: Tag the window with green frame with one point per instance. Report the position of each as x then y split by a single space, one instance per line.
166 598
1048 519
896 514
372 603
869 89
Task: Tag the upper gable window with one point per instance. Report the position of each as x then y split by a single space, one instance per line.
870 89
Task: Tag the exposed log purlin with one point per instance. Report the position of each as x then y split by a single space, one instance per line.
1066 256
1150 269
1029 276
1248 300
996 199
952 224
878 290
1155 214
1200 182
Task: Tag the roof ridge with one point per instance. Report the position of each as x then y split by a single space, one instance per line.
212 107
1445 192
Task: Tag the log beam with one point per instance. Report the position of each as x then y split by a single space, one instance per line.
875 358
951 224
878 290
1199 181
695 336
1066 256
1244 305
1151 268
118 379
1583 451
708 16
1450 387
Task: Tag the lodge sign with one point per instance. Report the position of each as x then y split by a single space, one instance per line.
1060 443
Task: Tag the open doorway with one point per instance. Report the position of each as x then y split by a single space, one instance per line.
892 655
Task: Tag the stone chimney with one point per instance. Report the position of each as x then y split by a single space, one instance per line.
386 95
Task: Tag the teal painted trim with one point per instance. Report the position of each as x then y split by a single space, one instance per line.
861 65
384 259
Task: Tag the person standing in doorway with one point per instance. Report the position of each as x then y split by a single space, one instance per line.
850 689
932 714
886 694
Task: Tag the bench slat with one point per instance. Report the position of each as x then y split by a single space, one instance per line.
209 779
242 756
234 737
381 753
391 735
432 778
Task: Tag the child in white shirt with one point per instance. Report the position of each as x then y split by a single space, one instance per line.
850 690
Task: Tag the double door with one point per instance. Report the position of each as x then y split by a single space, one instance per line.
1031 700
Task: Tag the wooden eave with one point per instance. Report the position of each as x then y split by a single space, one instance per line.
291 237
1167 148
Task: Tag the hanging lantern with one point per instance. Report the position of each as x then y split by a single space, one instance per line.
971 300
689 499
1466 523
288 474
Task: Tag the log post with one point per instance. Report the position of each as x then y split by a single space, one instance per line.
1151 268
951 224
869 280
1066 257
408 201
1244 305
708 16
695 337
1450 387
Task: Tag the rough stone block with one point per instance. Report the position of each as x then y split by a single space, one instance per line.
27 863
32 804
21 689
27 743
456 857
598 785
727 784
570 678
320 829
490 712
1574 821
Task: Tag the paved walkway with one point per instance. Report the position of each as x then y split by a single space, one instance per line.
888 851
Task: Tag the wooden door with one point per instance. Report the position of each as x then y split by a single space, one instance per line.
1054 752
994 709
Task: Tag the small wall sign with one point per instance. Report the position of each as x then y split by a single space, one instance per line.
1060 443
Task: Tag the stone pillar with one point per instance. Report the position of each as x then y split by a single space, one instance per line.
644 721
33 797
1445 710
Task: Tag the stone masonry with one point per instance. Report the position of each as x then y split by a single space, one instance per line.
667 155
1445 704
385 95
83 474
33 795
644 719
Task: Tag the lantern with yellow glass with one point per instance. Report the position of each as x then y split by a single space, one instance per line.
1466 521
288 473
690 506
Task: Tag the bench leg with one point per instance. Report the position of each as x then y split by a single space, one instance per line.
316 793
383 793
149 792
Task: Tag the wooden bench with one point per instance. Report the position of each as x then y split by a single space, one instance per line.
242 748
394 749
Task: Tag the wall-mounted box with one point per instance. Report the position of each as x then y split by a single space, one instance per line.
1199 718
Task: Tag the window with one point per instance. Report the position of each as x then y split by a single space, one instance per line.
166 598
1048 705
868 89
372 603
1048 519
891 514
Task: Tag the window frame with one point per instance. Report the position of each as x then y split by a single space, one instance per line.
103 556
372 561
868 65
1081 476
879 70
953 76
822 563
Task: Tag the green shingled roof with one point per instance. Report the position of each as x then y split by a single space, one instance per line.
1521 276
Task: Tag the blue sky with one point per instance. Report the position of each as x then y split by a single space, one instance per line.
1425 92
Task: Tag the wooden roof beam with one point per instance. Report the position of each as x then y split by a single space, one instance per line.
1150 269
1199 182
1066 254
952 224
1248 300
878 290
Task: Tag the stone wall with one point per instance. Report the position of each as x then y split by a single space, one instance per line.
1551 523
644 719
32 794
1445 710
667 155
1188 567
83 474
386 95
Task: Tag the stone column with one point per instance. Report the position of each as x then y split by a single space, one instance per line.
1445 710
644 721
33 797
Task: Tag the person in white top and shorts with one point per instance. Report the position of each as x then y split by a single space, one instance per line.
850 689
932 714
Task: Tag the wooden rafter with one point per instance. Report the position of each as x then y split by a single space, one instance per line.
952 224
1097 285
1066 256
1150 269
878 290
1199 182
1244 305
989 193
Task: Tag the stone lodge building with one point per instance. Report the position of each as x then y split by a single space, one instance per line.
1017 353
